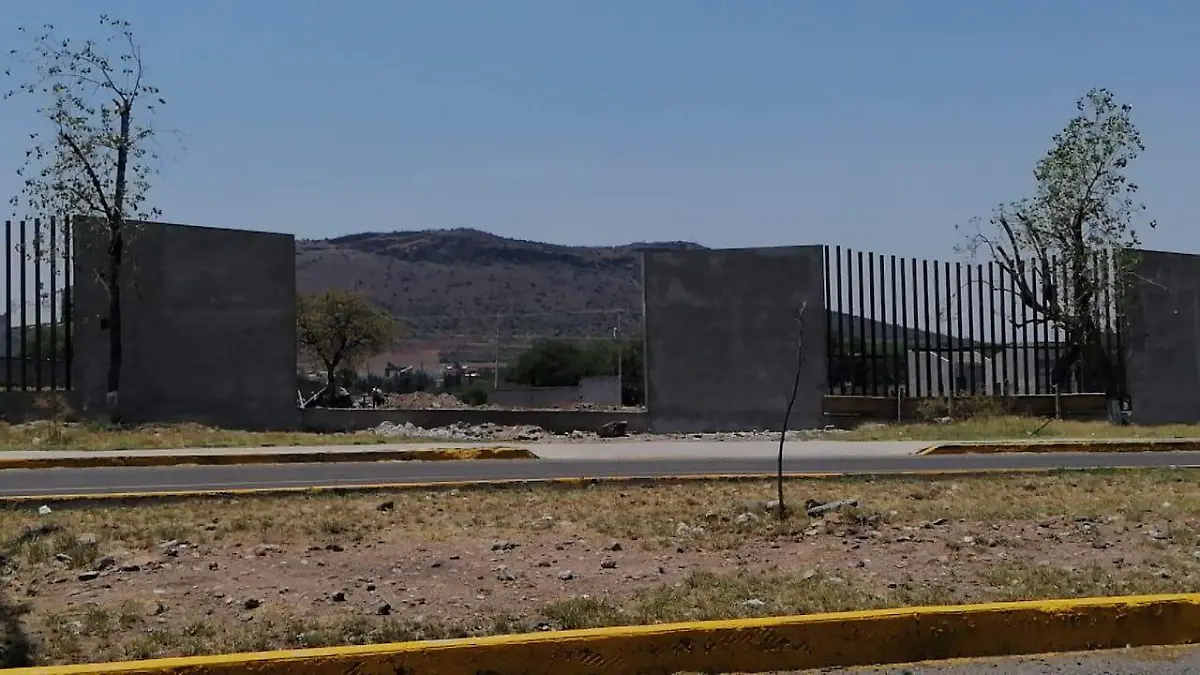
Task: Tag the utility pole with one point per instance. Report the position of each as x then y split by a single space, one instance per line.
620 358
496 357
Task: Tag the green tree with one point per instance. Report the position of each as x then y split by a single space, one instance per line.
96 157
341 328
562 363
1083 209
550 363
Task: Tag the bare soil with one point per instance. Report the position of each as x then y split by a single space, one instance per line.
212 576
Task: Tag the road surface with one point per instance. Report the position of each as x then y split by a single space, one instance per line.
606 460
1159 661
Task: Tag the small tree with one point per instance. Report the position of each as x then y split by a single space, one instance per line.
96 158
1082 213
341 328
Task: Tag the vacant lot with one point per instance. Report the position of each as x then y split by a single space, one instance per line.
230 575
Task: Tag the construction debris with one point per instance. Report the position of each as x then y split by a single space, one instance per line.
814 508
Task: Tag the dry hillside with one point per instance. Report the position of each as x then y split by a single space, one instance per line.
456 290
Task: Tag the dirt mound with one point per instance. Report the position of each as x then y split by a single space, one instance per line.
423 400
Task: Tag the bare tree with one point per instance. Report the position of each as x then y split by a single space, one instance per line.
1066 247
781 510
95 157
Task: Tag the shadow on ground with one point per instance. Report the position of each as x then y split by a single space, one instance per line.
16 650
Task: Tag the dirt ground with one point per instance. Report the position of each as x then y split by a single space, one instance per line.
198 577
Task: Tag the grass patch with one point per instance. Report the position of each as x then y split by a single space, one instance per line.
1003 427
58 435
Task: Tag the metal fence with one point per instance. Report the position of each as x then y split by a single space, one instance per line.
906 327
38 326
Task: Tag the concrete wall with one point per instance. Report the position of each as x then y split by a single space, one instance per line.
328 420
1162 338
721 336
592 390
209 326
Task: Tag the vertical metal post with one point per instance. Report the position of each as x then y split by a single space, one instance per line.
971 334
983 369
952 376
829 369
894 356
1052 343
904 330
24 309
937 312
926 333
997 351
1024 326
873 372
37 304
1105 280
54 318
862 324
1012 318
970 320
8 326
841 329
68 309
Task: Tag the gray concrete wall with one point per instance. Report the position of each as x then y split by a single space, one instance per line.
209 326
1162 338
327 420
600 390
721 336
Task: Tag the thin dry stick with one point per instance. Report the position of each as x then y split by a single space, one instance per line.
780 507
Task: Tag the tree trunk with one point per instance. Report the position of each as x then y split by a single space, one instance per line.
116 253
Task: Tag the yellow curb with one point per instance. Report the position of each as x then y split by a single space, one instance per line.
842 640
119 498
989 447
236 458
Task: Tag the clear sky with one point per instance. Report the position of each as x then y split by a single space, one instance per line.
728 122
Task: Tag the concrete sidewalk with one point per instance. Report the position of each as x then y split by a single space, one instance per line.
332 454
600 452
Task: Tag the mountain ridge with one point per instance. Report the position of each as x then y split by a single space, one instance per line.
470 294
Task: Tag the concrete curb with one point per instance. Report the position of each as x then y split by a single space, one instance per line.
83 500
992 447
235 458
879 637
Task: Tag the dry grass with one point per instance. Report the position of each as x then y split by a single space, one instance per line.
56 435
1014 427
649 513
647 517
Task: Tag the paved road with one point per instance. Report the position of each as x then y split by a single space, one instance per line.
51 482
1173 661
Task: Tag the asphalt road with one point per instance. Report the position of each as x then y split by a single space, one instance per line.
58 482
1168 661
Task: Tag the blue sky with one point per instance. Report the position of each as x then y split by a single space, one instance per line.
727 122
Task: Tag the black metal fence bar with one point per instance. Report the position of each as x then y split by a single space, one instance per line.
68 309
23 258
54 316
972 329
37 304
38 343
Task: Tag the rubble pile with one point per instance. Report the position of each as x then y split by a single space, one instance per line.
423 400
465 432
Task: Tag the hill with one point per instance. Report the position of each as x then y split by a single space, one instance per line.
464 292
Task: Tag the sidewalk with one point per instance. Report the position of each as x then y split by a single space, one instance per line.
48 459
